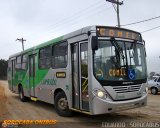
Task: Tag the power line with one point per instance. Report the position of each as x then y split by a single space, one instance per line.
150 29
78 19
153 18
73 19
75 16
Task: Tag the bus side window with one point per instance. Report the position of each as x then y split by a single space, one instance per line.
18 62
59 59
24 62
45 57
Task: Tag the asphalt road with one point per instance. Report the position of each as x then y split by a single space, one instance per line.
13 109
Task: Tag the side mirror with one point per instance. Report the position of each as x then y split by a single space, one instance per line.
145 48
144 42
94 43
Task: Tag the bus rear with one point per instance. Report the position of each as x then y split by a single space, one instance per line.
118 71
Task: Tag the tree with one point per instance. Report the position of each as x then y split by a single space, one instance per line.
3 69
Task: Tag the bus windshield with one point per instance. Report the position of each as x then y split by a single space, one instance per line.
119 60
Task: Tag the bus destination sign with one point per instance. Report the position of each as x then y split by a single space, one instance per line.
118 33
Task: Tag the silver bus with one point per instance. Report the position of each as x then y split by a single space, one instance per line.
94 70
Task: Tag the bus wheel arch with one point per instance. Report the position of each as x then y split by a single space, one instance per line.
61 103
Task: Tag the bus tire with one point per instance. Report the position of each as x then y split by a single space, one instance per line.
21 94
61 105
154 90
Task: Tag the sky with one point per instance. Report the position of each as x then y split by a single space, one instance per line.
38 21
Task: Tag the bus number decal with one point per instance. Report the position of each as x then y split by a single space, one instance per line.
60 74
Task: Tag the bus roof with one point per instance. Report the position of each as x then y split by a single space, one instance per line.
83 30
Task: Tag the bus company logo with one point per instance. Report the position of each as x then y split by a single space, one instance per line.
127 83
130 88
49 82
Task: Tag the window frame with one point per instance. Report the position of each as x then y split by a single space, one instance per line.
39 59
18 68
56 44
26 62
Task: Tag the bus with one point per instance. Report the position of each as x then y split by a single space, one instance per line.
94 70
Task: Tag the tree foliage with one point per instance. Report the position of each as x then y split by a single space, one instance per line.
3 69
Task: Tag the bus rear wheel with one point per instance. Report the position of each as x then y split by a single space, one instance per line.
21 94
61 105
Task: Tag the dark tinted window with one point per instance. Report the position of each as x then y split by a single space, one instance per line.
24 62
45 57
18 62
59 59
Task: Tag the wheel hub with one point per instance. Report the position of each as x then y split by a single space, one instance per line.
62 103
153 90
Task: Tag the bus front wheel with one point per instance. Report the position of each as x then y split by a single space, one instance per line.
61 105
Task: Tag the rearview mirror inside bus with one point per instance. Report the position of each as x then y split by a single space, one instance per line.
94 43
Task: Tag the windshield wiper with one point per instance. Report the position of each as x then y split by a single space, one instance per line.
118 48
135 52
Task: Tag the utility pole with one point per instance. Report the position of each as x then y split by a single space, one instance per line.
22 41
117 10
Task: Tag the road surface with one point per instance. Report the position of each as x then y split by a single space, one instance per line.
12 108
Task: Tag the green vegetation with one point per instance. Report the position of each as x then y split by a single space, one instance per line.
3 69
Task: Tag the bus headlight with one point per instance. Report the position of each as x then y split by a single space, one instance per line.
100 94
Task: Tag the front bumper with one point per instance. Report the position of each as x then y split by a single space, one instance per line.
101 106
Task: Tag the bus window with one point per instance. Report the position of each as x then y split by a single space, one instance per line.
59 59
45 57
18 63
24 62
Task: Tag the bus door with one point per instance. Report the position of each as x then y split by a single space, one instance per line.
32 74
13 75
79 57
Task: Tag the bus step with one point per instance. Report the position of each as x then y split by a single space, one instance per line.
34 98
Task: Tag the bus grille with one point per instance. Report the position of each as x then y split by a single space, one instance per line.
124 89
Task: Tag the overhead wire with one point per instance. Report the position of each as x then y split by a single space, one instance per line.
80 15
150 29
76 17
142 21
73 16
114 7
77 20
